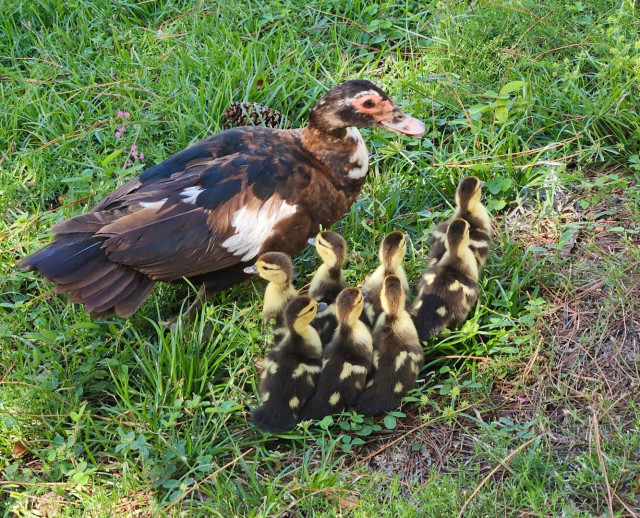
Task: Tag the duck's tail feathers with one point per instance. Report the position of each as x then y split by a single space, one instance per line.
79 266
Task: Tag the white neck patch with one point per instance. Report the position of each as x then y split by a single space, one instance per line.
360 157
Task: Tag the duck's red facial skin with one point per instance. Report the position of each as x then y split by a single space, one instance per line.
387 115
373 104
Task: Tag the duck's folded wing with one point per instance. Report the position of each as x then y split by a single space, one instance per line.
217 213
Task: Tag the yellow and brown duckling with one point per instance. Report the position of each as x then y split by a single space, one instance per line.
391 254
290 370
277 269
470 208
397 353
328 280
346 360
448 290
208 211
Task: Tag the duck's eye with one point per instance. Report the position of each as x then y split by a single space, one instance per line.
369 103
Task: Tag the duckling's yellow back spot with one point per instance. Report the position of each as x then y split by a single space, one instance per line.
294 402
334 399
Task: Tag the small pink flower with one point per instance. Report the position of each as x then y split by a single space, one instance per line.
141 156
127 115
127 163
119 113
135 154
121 129
118 134
133 147
521 400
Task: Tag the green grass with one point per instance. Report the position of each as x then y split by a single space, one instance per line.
120 418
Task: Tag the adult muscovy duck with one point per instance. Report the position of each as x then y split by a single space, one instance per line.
210 210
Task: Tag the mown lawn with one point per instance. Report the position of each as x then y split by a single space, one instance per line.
530 409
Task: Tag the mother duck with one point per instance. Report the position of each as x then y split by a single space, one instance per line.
210 210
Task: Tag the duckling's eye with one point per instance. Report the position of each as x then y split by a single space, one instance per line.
369 103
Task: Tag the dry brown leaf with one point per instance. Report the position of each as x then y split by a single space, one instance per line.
19 449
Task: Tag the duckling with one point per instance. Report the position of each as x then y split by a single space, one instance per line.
346 360
397 353
448 290
290 370
328 281
470 208
392 250
276 268
208 211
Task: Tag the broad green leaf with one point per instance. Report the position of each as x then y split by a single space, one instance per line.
512 87
502 114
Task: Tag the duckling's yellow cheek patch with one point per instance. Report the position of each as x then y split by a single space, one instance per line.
294 402
334 399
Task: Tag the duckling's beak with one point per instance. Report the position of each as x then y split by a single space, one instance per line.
312 241
365 293
406 238
251 270
400 122
322 306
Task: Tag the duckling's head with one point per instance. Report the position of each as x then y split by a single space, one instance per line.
392 295
274 267
457 235
331 247
300 312
392 249
349 305
469 193
360 103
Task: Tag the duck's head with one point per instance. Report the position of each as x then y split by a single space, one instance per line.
331 247
274 267
361 104
349 305
300 312
392 249
457 235
392 295
469 193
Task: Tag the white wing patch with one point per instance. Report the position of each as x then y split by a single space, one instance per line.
254 225
153 204
190 194
360 157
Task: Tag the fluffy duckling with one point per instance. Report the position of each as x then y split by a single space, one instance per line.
391 254
397 354
346 360
328 281
470 208
277 269
290 370
448 290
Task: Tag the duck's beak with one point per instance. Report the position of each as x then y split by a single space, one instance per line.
400 122
251 270
312 241
322 306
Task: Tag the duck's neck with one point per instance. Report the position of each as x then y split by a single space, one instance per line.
342 150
